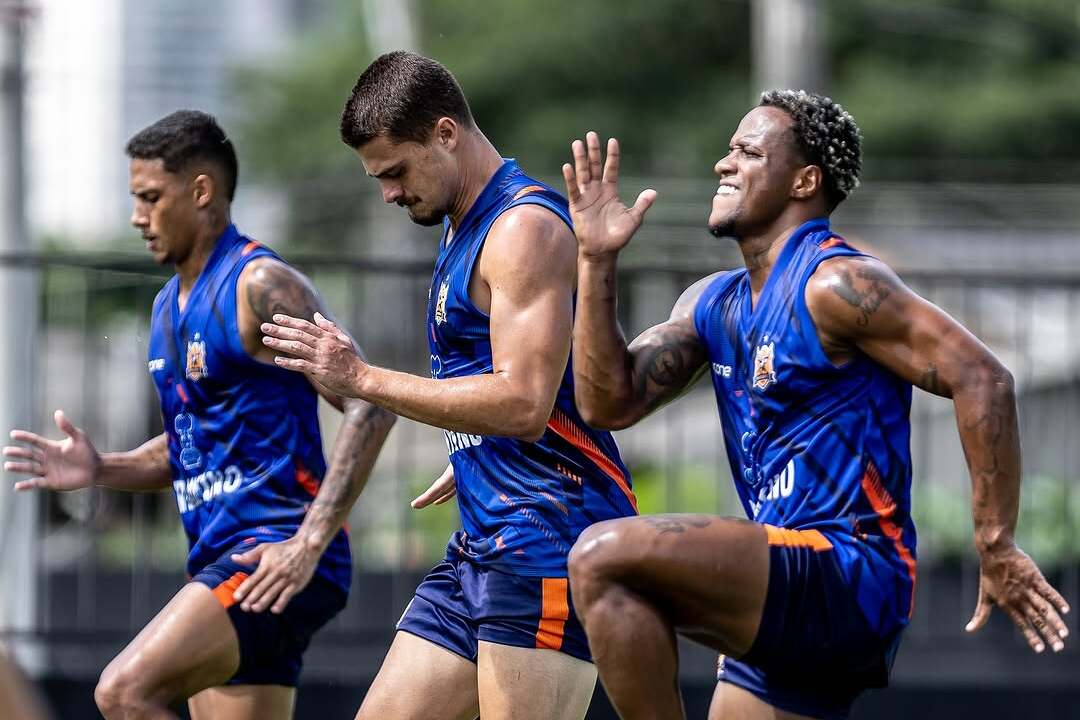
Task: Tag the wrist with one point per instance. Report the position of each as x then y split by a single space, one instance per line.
993 540
603 259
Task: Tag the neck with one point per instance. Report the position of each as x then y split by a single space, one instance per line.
482 162
761 249
206 237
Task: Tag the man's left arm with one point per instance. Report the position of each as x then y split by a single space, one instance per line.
527 269
859 304
267 287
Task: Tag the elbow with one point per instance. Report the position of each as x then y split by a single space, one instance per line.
358 412
529 421
597 414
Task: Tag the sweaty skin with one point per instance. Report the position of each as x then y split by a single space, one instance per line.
633 584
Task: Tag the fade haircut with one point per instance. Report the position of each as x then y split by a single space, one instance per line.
401 96
826 135
186 137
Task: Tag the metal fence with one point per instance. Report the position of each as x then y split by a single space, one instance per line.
106 561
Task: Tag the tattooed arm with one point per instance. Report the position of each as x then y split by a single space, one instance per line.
268 286
615 385
859 305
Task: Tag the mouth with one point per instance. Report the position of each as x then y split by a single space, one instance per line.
726 190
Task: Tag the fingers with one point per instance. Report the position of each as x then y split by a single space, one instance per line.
296 364
982 613
592 143
284 333
611 165
264 594
18 452
34 482
251 557
297 324
1047 591
283 599
581 163
573 194
439 492
292 347
326 324
26 468
1044 617
1026 628
66 426
643 203
31 438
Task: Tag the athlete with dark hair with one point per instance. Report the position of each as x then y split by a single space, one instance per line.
269 562
813 349
491 630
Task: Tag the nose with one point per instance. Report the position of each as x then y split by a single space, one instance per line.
724 166
139 219
391 192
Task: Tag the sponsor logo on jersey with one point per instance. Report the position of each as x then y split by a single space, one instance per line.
764 375
456 441
194 491
196 359
440 304
723 371
156 365
779 487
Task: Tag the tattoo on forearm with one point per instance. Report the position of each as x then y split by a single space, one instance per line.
665 524
866 297
665 368
274 289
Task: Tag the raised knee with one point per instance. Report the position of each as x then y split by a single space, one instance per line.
594 555
117 694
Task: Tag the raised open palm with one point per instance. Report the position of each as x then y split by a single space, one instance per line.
602 223
68 464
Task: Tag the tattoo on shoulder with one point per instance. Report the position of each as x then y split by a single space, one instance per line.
274 289
666 524
667 365
865 290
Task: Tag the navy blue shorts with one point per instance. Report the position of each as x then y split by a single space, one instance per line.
271 646
459 604
814 651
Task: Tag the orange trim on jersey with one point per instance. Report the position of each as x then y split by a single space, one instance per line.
249 248
831 243
785 537
554 612
306 480
181 393
885 507
527 190
565 428
224 591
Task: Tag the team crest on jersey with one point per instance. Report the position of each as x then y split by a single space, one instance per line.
764 374
440 304
196 358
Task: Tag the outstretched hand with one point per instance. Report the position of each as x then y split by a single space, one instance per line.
321 350
442 490
68 464
602 223
1010 579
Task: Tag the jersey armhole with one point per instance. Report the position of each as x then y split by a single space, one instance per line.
252 251
704 305
807 326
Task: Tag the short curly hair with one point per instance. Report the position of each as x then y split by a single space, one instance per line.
826 135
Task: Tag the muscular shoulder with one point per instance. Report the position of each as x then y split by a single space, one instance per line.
854 296
687 302
528 245
268 286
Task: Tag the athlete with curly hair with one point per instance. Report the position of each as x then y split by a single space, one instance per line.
813 349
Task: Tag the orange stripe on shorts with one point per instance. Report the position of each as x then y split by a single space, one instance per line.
554 611
224 591
812 539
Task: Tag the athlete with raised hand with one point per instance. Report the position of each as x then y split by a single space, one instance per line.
491 630
813 349
263 512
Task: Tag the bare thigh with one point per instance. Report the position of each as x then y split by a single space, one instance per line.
708 575
188 646
420 680
243 702
730 702
531 684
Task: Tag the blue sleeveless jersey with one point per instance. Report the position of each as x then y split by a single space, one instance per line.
244 439
522 504
813 445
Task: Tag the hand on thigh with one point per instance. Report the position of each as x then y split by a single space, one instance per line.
528 684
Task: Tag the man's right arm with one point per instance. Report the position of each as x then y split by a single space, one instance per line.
73 463
616 385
